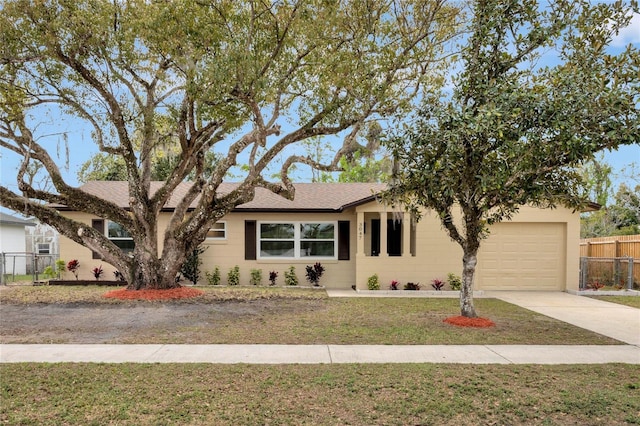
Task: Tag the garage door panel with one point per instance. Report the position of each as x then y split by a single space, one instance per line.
523 256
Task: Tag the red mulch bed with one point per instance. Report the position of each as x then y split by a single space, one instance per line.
150 294
461 321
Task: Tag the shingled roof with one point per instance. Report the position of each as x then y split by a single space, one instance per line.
309 197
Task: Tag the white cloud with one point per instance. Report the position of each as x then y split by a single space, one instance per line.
629 34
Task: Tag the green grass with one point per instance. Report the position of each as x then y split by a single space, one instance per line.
288 316
633 301
404 394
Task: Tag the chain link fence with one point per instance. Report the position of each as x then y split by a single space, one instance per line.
610 273
24 266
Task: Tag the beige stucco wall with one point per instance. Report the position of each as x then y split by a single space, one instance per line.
435 254
230 252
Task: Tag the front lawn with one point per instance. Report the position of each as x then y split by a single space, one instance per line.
372 394
633 301
268 316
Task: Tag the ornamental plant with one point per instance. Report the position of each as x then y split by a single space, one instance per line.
437 284
73 267
455 282
60 266
314 273
213 278
233 277
290 277
373 282
412 286
394 285
97 272
256 277
273 276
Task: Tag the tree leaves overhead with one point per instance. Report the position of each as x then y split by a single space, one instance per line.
242 79
511 132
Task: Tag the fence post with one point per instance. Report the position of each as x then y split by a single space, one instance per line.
630 274
2 268
583 273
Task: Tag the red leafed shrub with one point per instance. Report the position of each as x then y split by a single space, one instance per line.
461 321
149 294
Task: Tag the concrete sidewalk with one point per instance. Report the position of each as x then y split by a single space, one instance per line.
322 354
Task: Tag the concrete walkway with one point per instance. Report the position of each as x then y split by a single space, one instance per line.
322 354
613 320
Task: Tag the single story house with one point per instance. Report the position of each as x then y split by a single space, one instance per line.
345 228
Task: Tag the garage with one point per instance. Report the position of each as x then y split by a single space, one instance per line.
523 256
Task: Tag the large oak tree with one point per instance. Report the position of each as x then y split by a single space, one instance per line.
245 79
513 131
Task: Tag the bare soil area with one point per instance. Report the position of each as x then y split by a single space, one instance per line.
91 323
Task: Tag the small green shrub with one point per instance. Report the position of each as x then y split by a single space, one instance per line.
256 277
191 267
290 277
213 278
233 277
373 282
48 272
455 282
61 266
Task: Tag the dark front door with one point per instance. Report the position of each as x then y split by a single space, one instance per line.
375 237
394 238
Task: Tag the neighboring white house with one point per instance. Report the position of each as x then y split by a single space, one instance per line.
13 244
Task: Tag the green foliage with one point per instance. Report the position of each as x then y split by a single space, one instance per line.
314 273
161 85
620 218
60 267
455 282
191 267
290 277
233 276
256 277
48 272
213 278
511 133
373 282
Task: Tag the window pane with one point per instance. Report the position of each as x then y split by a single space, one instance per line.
276 249
115 230
217 231
316 248
312 231
277 230
125 245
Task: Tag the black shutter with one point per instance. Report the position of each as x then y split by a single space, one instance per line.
343 240
249 240
98 225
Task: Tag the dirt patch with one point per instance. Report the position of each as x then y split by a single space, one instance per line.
146 321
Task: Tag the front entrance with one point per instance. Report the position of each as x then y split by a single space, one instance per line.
394 237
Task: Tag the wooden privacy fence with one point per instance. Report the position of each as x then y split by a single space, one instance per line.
616 246
610 260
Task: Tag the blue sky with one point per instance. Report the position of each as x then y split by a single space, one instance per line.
81 148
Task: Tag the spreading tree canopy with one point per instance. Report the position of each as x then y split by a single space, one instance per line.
243 79
512 131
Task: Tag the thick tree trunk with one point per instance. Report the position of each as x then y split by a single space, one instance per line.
149 270
469 261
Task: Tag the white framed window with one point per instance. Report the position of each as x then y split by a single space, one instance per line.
297 240
119 236
44 248
218 231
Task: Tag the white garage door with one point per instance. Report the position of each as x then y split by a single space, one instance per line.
523 256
